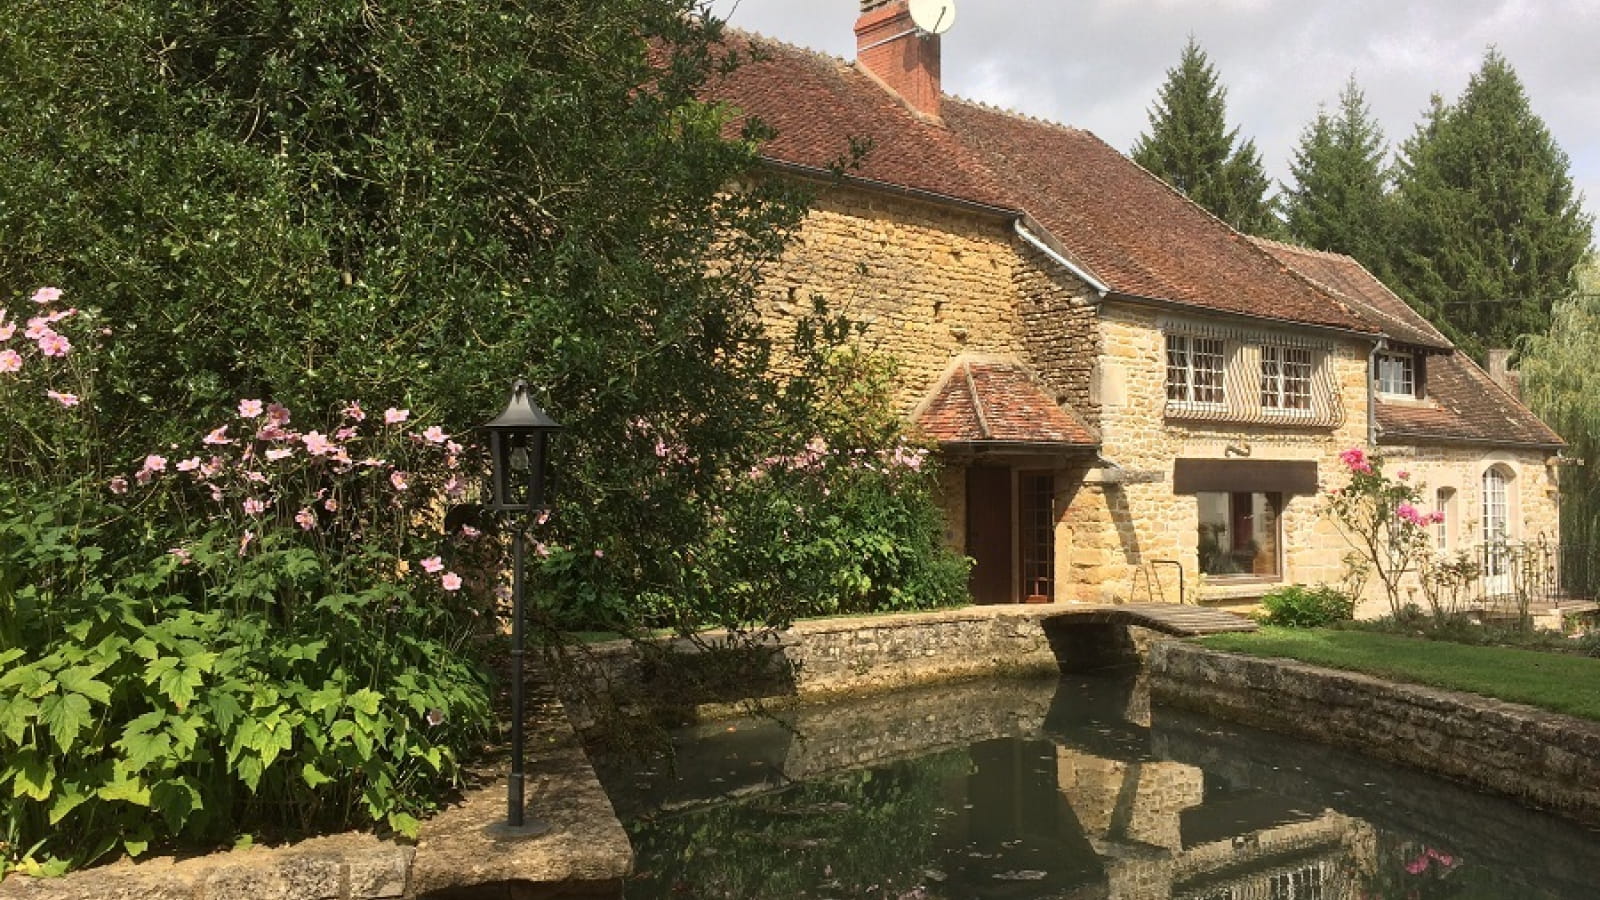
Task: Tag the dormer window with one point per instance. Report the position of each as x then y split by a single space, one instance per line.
1395 374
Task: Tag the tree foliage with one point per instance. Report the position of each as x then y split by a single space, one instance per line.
1337 202
316 201
1488 228
1560 381
1190 147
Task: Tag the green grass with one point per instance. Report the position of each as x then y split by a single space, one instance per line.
1556 682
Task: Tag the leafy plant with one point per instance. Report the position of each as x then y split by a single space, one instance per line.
267 627
1298 606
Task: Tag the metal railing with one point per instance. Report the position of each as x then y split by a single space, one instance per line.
1515 576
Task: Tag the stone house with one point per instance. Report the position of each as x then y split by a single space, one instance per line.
1133 401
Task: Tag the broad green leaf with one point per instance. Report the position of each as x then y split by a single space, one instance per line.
405 824
366 701
249 769
33 776
126 788
81 679
313 776
16 713
140 750
67 800
66 715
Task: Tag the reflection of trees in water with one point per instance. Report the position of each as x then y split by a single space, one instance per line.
865 833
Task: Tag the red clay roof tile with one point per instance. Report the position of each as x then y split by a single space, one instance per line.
1369 296
1464 405
1139 236
989 400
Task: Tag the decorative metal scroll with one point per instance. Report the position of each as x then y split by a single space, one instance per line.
1250 377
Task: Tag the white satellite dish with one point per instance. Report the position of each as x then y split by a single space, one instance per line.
932 16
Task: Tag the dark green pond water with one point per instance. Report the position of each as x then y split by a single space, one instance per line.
1065 789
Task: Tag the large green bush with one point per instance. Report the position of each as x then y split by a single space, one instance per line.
1299 606
258 630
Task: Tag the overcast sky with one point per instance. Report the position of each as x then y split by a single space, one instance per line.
1097 64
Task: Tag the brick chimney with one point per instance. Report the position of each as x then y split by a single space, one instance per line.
1500 370
891 49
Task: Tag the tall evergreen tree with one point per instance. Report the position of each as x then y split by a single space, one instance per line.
1488 227
1337 201
1190 147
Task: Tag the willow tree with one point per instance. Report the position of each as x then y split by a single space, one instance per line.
1560 381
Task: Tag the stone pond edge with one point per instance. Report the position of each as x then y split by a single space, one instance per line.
1544 760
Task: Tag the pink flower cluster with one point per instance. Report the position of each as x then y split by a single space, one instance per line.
1355 459
1409 513
47 341
262 469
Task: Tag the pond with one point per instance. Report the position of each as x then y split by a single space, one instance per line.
1071 788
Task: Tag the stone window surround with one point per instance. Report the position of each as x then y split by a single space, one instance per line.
1243 374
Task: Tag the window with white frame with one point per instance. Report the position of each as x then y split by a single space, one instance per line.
1195 369
1395 374
1285 378
1496 520
1444 502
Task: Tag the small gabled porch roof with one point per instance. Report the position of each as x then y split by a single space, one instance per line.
990 404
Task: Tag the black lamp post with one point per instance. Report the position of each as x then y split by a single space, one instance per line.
519 441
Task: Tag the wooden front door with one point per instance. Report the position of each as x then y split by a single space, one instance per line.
989 534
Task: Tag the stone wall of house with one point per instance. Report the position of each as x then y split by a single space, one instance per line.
930 282
1058 328
1538 758
1124 533
1532 495
933 283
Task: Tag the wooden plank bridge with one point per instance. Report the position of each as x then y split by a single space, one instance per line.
1167 618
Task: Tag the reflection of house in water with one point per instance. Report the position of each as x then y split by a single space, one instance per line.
1144 829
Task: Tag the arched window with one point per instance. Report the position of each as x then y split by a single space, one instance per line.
1497 520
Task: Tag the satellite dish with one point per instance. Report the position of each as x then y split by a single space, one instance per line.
932 16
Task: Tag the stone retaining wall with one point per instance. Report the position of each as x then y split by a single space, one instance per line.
817 659
1537 758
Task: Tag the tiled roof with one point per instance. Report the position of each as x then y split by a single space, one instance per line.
1369 296
1141 237
1132 231
982 400
821 106
1464 405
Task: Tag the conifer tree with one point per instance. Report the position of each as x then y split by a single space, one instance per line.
1337 202
1488 227
1190 147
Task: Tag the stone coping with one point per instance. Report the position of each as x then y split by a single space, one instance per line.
1541 759
458 853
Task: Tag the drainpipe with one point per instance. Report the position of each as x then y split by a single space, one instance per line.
1372 393
1099 288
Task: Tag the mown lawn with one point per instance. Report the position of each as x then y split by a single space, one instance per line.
1557 682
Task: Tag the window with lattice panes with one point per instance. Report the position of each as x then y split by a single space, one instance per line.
1285 378
1195 369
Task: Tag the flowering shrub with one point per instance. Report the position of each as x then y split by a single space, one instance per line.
1383 521
262 627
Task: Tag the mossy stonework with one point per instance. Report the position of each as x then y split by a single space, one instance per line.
1541 759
